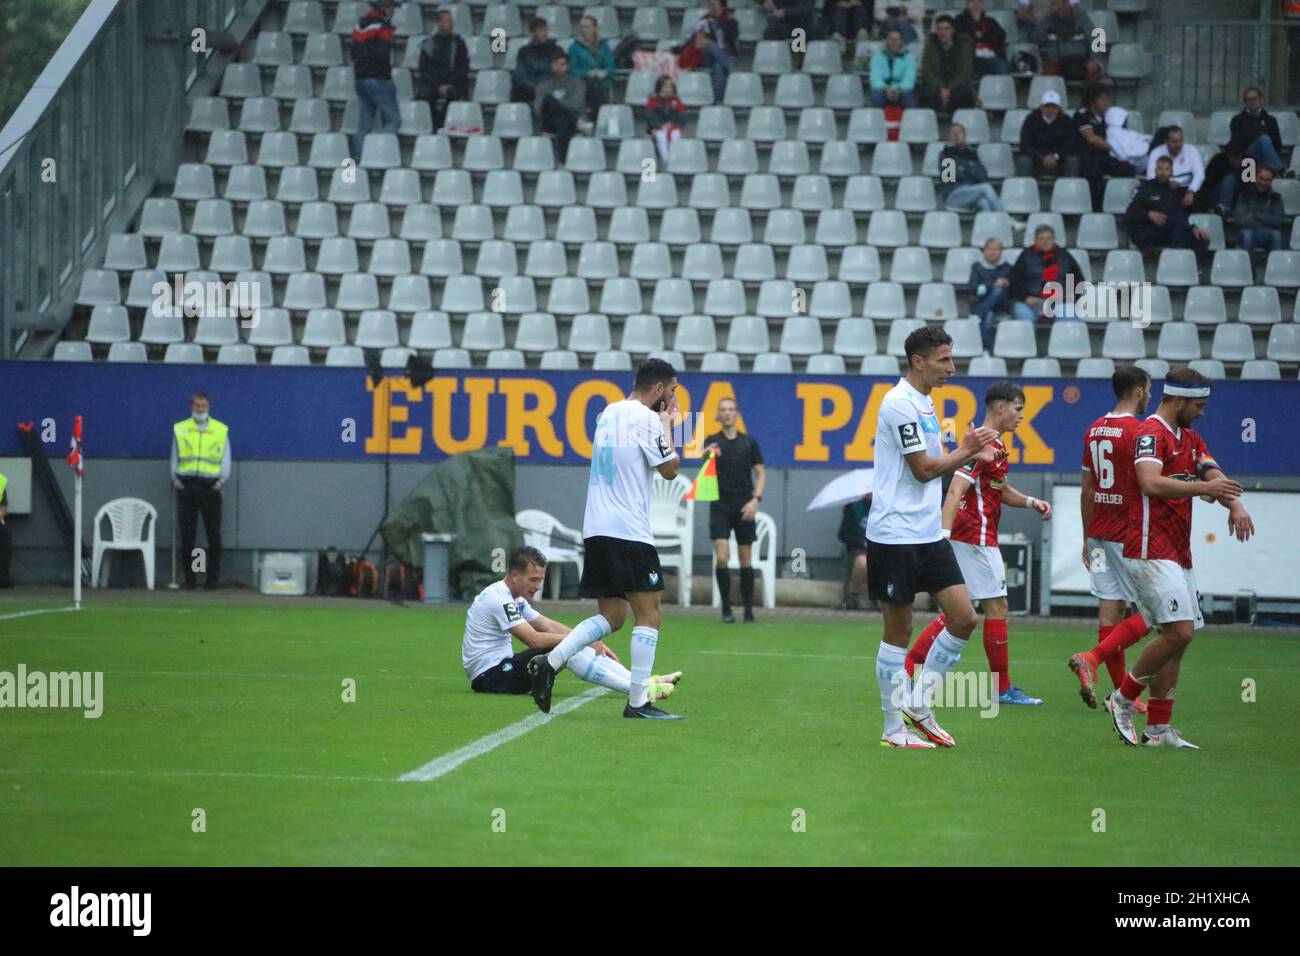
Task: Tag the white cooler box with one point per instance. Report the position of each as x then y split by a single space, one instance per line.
284 572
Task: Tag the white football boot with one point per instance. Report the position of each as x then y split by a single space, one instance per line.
907 739
923 720
1169 738
1121 717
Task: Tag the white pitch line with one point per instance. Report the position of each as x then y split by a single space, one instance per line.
238 774
825 657
441 766
43 610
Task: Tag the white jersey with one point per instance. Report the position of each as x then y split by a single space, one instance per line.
487 627
904 510
628 446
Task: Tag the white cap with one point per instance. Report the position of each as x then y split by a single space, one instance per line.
1050 96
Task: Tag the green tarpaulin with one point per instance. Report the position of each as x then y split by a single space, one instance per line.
471 496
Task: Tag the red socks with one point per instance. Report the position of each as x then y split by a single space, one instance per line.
995 647
1159 710
1113 641
922 646
1131 689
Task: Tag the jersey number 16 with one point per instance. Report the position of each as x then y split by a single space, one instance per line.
1102 466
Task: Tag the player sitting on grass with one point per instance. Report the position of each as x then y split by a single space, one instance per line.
970 518
1109 485
501 611
1173 465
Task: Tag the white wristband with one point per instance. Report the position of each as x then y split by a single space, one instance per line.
946 532
1030 501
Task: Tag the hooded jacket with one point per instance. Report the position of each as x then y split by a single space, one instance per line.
372 47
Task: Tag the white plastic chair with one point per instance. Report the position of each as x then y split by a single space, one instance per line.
541 530
133 524
763 560
672 522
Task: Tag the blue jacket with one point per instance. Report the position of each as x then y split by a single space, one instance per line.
582 61
983 274
888 70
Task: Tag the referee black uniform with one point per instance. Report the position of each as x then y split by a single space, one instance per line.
736 460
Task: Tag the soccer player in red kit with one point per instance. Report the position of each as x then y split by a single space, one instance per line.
1109 485
970 519
1173 465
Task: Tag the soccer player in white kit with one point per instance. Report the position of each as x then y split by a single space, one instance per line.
906 552
621 565
502 611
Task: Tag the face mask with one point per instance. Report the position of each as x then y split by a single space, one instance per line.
200 417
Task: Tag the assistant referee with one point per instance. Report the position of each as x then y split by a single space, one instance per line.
741 479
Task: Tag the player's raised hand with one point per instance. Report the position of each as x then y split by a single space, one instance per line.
1223 489
977 439
1240 524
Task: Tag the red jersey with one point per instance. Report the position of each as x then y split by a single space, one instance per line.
1162 527
1108 457
981 506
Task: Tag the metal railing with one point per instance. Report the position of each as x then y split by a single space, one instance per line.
104 119
1204 65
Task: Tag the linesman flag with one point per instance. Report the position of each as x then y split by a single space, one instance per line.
706 482
74 449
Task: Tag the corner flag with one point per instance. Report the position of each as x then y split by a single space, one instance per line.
74 449
706 483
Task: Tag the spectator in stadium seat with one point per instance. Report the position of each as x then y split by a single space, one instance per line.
853 535
560 105
785 17
1254 135
1064 39
372 64
990 288
1189 170
1223 165
905 17
444 67
893 74
533 63
1258 214
1047 141
1126 145
664 115
847 20
1029 13
592 60
718 54
1157 216
1040 277
963 180
947 68
1092 147
988 36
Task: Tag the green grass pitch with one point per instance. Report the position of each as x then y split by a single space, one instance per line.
238 710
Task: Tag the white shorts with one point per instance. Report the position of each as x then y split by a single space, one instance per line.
1164 591
1107 572
983 568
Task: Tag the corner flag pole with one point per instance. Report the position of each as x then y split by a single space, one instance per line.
78 467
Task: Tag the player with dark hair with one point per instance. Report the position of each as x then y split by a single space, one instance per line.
906 552
1173 465
621 565
1109 487
741 480
501 611
970 520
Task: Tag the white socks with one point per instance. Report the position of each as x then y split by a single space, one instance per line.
944 654
895 685
605 671
644 641
585 634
